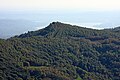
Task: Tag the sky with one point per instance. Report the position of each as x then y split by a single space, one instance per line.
23 5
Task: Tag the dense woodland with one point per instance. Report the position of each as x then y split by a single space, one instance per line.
61 52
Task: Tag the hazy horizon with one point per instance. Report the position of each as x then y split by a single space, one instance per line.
68 16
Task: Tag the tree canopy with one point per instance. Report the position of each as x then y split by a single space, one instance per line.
61 52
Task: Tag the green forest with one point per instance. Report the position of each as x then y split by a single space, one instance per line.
61 52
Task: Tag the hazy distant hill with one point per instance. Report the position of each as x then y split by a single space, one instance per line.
61 52
10 28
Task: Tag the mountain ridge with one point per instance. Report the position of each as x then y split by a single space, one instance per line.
66 30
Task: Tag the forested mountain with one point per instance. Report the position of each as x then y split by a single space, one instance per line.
61 52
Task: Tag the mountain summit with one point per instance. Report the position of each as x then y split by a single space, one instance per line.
58 29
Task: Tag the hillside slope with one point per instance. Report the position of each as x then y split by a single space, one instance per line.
61 52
